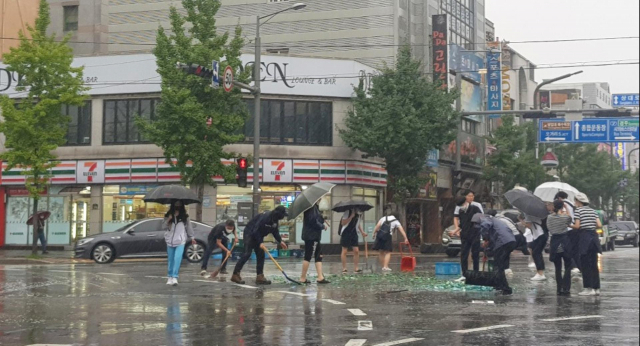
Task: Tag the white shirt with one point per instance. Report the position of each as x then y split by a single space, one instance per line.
394 223
456 213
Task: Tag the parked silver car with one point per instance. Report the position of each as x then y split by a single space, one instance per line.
140 238
452 244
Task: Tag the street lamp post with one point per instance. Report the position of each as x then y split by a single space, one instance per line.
257 111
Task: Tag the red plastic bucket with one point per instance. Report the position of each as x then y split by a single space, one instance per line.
407 263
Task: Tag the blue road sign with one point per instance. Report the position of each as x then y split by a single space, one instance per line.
215 79
624 130
626 100
589 131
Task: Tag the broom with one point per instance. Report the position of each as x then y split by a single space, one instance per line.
278 265
217 271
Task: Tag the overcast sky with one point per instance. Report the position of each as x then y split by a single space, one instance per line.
522 20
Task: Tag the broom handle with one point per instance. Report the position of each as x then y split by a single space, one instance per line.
272 259
228 255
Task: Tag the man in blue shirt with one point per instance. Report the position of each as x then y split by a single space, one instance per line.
254 233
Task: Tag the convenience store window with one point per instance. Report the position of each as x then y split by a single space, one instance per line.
123 204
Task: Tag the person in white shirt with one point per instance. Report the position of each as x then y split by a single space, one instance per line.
383 235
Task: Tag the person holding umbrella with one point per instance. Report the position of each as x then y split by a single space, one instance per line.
350 226
254 233
178 229
312 228
560 246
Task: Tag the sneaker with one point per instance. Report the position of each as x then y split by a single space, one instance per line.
462 279
224 272
532 265
170 281
587 292
598 293
175 282
507 292
575 272
203 272
508 272
386 269
539 277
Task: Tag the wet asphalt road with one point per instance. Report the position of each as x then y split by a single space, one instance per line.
129 304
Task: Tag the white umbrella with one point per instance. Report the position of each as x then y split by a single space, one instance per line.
547 191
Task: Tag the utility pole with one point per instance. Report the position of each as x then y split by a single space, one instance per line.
458 135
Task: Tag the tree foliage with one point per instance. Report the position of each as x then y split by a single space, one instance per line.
35 126
188 101
400 119
514 161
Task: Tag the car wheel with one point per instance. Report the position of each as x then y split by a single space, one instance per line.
103 253
195 253
453 253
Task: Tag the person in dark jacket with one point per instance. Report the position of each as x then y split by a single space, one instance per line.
312 228
218 239
561 246
500 239
259 227
587 222
467 231
351 224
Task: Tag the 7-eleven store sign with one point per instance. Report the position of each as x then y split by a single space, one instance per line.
278 171
90 172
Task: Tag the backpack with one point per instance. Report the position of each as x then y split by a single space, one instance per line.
385 230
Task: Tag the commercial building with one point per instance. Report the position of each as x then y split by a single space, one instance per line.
593 95
15 15
107 165
368 31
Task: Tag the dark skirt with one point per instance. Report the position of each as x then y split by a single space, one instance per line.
349 239
589 241
383 245
563 240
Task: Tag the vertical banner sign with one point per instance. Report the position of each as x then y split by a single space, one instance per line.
440 50
506 78
494 79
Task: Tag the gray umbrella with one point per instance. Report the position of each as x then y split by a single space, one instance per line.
528 203
308 198
170 193
344 206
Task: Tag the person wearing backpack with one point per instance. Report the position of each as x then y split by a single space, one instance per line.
383 235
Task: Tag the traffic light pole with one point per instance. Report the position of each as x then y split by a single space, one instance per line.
256 121
459 110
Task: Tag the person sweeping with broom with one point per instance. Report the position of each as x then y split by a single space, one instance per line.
218 239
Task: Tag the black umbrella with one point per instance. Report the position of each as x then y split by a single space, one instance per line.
170 193
528 203
349 205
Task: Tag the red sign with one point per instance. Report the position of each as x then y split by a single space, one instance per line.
228 79
440 50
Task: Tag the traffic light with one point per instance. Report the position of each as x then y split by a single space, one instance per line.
197 70
243 166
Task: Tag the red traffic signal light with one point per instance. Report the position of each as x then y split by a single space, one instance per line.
242 163
243 166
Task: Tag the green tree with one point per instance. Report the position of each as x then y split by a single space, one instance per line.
188 101
592 172
35 126
514 161
400 119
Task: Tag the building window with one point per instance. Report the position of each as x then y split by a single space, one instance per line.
469 126
79 131
461 18
292 123
70 14
119 120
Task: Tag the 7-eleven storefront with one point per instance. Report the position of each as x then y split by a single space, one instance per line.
94 196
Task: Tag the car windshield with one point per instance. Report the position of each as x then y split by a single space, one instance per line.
623 226
121 229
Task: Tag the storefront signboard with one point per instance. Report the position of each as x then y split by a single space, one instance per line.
132 190
90 172
278 171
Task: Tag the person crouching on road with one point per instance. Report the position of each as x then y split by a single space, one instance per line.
500 239
383 235
312 228
218 239
351 224
561 246
254 233
178 229
587 222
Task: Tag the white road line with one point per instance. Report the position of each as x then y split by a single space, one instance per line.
353 342
247 286
334 302
490 302
357 312
63 271
207 281
111 274
467 331
572 318
365 325
295 294
157 277
399 342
